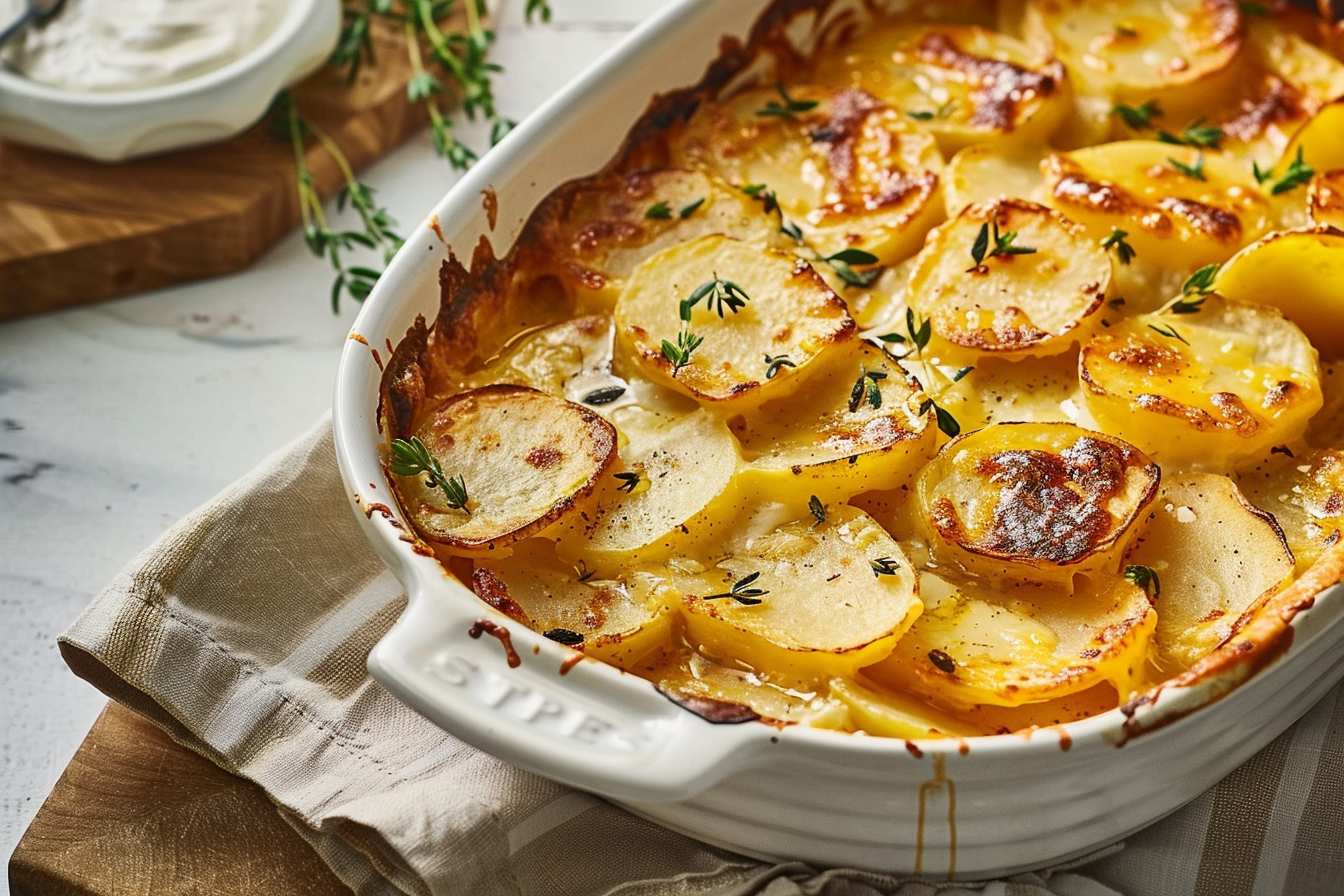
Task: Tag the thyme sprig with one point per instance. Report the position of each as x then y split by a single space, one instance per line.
1139 117
774 363
1169 332
1003 245
789 108
742 591
1200 283
1196 133
866 387
1123 250
412 458
917 335
1195 171
841 262
1298 173
717 295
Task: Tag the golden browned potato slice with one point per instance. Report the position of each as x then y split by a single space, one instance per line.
510 462
730 693
1176 52
591 234
858 426
973 647
672 488
1214 557
1183 207
1217 385
615 620
847 170
1312 261
1305 494
1010 277
1035 501
730 306
891 714
1318 140
1325 199
962 83
805 602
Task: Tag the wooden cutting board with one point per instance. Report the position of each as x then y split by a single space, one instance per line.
134 814
74 231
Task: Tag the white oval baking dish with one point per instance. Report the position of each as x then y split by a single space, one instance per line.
974 808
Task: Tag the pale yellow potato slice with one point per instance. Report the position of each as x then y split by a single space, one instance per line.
620 621
1215 387
1177 218
588 237
1312 261
1305 494
728 693
823 608
673 487
1215 557
523 458
1319 142
858 426
962 83
1325 199
983 172
1038 502
892 714
972 647
848 171
562 359
1041 301
1177 52
785 310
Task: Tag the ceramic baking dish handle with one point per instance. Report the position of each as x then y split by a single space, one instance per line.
510 692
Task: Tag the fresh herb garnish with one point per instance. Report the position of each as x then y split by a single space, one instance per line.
629 482
1298 173
690 208
583 572
412 458
942 661
817 509
742 592
1003 245
1139 117
720 293
840 262
1169 332
659 211
789 108
1195 171
1201 281
866 387
679 354
1189 306
925 115
946 422
1196 133
884 566
791 230
1146 578
961 372
605 395
1123 250
564 636
765 194
773 363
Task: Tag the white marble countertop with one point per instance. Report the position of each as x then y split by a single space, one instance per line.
118 418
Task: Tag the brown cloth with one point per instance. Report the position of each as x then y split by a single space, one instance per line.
244 633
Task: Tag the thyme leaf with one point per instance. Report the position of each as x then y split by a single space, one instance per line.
659 211
1201 281
742 592
719 294
1139 117
817 509
1195 171
412 458
1298 173
1146 578
773 364
790 107
884 566
1123 250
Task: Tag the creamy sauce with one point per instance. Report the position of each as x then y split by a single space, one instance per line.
114 45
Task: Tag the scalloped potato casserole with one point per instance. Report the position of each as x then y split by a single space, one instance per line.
974 367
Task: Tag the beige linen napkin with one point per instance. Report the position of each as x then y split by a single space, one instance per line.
244 631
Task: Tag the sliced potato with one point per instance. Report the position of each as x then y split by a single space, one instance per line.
1325 199
1318 140
1035 501
983 172
827 442
1305 495
891 714
847 170
673 487
1036 302
556 359
1181 206
785 310
524 459
806 601
1215 556
1172 51
1312 261
618 621
962 83
589 236
1216 386
973 647
729 693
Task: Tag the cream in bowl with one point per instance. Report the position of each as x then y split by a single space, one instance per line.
116 79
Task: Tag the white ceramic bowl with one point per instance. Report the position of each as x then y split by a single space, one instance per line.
980 807
111 126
